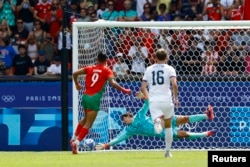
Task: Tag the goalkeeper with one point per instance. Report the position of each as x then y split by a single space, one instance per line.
140 124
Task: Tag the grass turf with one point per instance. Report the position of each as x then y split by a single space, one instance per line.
103 159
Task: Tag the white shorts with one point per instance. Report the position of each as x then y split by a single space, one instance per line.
158 109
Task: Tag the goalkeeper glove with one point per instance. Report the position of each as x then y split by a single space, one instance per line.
101 146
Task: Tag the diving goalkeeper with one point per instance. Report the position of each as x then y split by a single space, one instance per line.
140 124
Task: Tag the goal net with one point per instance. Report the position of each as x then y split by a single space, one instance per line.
212 60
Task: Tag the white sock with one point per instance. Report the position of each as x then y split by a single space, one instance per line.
74 137
77 142
168 138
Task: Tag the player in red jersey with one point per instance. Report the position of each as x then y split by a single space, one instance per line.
95 82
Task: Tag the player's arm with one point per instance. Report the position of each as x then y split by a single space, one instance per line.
175 90
117 86
145 106
75 78
123 135
144 89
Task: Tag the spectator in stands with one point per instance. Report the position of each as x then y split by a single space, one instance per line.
187 11
73 12
146 14
138 54
91 9
83 17
5 28
140 6
119 5
200 36
42 12
110 14
86 3
22 63
93 16
231 64
55 68
100 11
163 40
192 59
49 47
68 42
7 53
226 5
247 62
32 47
127 14
163 15
197 7
241 38
180 38
42 64
235 12
213 10
38 32
25 10
56 16
120 68
209 60
20 32
166 2
7 11
175 60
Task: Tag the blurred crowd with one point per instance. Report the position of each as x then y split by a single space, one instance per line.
31 35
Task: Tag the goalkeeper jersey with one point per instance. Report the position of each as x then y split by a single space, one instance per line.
142 125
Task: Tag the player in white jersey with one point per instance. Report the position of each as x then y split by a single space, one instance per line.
158 78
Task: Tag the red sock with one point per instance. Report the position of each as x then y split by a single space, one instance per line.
82 134
78 129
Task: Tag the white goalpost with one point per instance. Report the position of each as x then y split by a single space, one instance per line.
217 74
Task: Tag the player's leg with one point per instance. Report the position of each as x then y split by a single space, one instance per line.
192 136
168 110
157 116
79 127
90 118
91 106
209 114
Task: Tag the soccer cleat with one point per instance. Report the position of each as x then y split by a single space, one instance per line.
210 113
168 154
157 126
74 148
211 132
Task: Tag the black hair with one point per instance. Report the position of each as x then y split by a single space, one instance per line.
102 57
126 115
21 46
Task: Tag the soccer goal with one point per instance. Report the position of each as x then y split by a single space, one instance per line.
212 60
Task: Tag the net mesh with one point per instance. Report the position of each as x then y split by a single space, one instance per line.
212 65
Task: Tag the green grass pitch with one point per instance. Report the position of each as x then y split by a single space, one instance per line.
104 159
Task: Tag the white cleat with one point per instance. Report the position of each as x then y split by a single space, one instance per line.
168 154
157 126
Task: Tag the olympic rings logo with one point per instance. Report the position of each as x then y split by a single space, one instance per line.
8 98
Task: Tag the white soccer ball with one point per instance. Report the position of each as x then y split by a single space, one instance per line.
89 144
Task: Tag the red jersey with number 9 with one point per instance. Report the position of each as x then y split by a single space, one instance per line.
96 78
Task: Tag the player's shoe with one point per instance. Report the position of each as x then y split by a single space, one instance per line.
210 113
168 154
74 148
211 132
157 126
